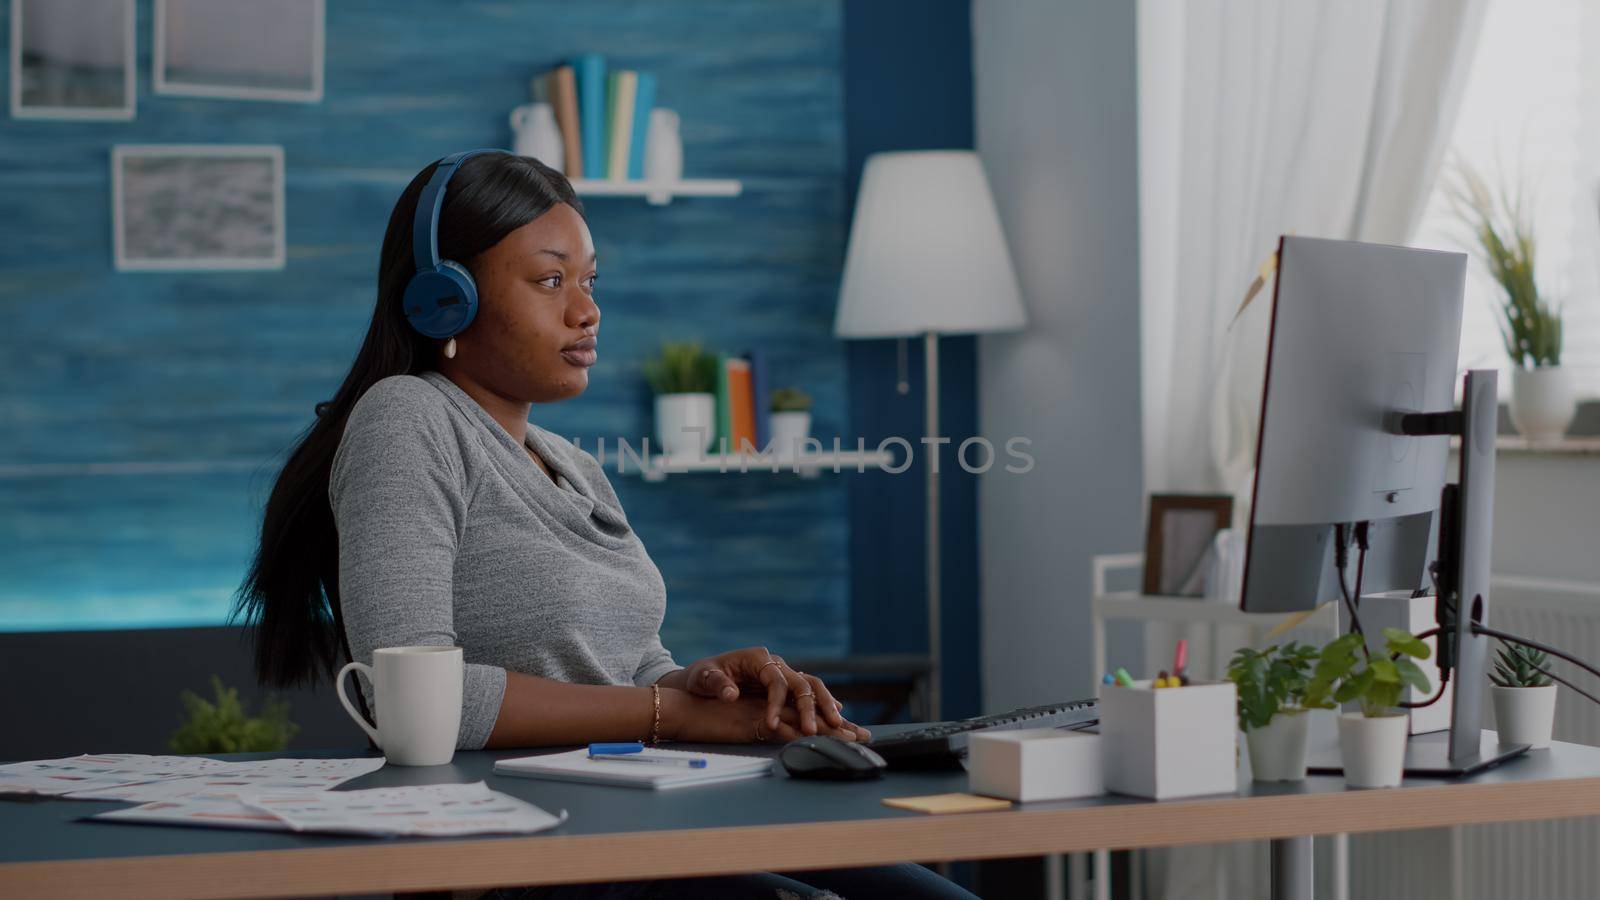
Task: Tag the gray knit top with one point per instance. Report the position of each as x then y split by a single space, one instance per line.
451 534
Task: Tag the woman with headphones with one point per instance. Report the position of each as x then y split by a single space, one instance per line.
423 508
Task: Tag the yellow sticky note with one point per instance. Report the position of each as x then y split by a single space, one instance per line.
947 803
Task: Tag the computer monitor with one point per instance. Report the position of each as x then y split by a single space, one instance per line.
1358 332
1357 410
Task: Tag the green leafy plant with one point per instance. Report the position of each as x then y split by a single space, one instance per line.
790 399
682 368
1345 671
1270 681
1518 666
1529 324
223 725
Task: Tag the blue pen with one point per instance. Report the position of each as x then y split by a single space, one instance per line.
675 761
607 749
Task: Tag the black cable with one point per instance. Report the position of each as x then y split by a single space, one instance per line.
1505 636
1444 681
1553 676
1341 560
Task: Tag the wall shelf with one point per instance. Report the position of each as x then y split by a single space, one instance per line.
806 465
658 193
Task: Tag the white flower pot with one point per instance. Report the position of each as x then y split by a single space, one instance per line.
1543 402
1525 715
1278 749
1373 751
789 432
686 424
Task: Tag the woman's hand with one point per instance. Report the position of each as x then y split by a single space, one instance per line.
742 720
728 676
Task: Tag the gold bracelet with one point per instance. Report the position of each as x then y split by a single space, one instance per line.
655 719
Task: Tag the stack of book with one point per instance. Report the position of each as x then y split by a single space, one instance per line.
742 415
604 117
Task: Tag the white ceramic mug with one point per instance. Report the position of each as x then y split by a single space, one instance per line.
417 692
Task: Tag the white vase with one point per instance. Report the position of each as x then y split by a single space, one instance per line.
685 424
663 152
1525 715
1278 749
538 135
1372 750
789 432
1543 402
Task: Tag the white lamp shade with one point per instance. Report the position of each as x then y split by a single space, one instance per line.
926 251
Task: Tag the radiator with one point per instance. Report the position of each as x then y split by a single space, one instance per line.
1548 860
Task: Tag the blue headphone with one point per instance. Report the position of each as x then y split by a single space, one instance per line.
441 299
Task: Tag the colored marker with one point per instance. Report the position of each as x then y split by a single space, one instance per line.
1163 681
609 749
1108 678
1180 657
1123 678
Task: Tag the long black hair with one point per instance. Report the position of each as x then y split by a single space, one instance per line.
291 593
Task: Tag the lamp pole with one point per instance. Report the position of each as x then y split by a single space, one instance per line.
930 362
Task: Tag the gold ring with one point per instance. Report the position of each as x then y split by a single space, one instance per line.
770 662
759 738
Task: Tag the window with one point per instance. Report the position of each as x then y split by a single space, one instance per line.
1532 109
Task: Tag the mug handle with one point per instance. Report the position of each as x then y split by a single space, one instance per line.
338 683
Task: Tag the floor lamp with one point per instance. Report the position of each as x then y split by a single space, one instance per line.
927 257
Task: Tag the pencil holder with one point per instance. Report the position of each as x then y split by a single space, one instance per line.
1161 743
1034 764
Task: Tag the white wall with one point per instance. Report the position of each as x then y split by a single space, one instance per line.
1054 86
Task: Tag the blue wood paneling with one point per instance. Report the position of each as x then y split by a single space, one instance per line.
190 385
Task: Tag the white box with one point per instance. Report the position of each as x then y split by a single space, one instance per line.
1160 743
1034 764
1398 609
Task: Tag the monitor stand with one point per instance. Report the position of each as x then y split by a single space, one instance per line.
1428 756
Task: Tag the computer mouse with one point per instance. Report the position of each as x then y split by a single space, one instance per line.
819 756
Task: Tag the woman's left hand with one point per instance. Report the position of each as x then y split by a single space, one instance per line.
727 675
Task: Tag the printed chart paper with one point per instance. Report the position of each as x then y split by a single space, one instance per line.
438 809
140 778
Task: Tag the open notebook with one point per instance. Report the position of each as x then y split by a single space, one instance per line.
575 765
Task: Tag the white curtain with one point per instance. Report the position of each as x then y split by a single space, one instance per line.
1258 118
1324 118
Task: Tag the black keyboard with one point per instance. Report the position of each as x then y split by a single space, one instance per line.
942 745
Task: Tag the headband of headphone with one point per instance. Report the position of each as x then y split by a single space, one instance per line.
441 299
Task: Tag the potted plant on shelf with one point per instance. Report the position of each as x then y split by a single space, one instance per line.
1543 394
1272 686
684 378
790 420
1524 697
1372 741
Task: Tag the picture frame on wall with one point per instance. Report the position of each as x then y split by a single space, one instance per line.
1178 539
240 49
197 207
72 59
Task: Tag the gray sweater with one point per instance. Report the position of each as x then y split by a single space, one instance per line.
450 534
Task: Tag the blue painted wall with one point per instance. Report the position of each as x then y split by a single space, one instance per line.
145 414
908 86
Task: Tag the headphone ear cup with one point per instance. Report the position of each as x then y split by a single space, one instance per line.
441 302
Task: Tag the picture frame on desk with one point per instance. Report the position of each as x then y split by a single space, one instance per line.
1178 535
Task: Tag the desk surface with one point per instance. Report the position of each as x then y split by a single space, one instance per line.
772 824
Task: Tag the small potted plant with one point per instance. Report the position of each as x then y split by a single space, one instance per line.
225 725
684 378
1524 697
790 419
1272 685
1543 393
1372 742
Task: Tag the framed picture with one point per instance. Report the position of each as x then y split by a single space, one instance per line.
72 59
239 49
1177 539
197 207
